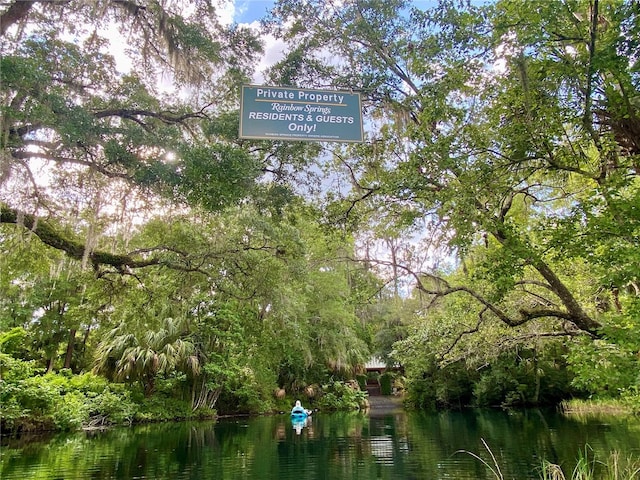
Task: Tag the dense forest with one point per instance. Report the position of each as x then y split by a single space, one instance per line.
484 238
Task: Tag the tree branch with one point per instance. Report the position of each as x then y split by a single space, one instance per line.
25 155
167 117
443 289
50 236
123 263
368 191
462 334
15 13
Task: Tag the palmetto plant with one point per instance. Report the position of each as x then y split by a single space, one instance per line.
126 355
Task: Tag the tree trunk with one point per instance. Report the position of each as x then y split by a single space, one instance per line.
574 310
85 339
70 346
149 385
578 316
536 373
50 362
16 12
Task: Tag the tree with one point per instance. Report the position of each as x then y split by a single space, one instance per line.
145 354
510 126
73 124
82 133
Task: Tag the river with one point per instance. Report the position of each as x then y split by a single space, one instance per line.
383 445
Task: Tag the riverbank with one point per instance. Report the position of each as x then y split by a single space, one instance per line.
600 406
384 405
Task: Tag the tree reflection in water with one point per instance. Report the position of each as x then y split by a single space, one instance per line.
333 445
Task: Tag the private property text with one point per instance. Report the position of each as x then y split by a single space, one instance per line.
300 95
289 113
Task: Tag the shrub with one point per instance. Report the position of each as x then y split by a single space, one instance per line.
341 396
10 409
90 382
496 387
13 369
70 411
421 393
386 383
604 367
38 395
161 408
631 398
109 407
13 341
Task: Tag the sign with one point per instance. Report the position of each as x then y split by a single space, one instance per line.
283 113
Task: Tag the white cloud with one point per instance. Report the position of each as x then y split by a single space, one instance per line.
273 52
227 12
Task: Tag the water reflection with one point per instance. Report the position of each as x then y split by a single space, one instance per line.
336 446
299 423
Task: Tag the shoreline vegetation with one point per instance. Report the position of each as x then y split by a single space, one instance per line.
616 466
59 402
588 466
53 403
596 406
65 402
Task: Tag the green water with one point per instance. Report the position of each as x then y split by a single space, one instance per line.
332 446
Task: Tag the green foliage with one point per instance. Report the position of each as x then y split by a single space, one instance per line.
216 176
338 395
142 356
386 383
12 340
519 153
13 369
111 406
29 400
421 394
161 407
184 261
39 395
631 398
588 467
499 387
174 257
603 368
514 377
609 366
72 413
447 387
390 320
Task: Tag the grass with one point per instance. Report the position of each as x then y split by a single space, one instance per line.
495 469
593 406
587 467
616 468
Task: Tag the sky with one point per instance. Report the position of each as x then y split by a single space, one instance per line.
247 11
250 12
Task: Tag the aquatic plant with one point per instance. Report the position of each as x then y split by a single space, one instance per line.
495 469
586 468
615 468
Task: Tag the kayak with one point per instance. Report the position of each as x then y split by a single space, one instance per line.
299 420
299 412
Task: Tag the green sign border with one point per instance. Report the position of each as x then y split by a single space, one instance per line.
288 113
